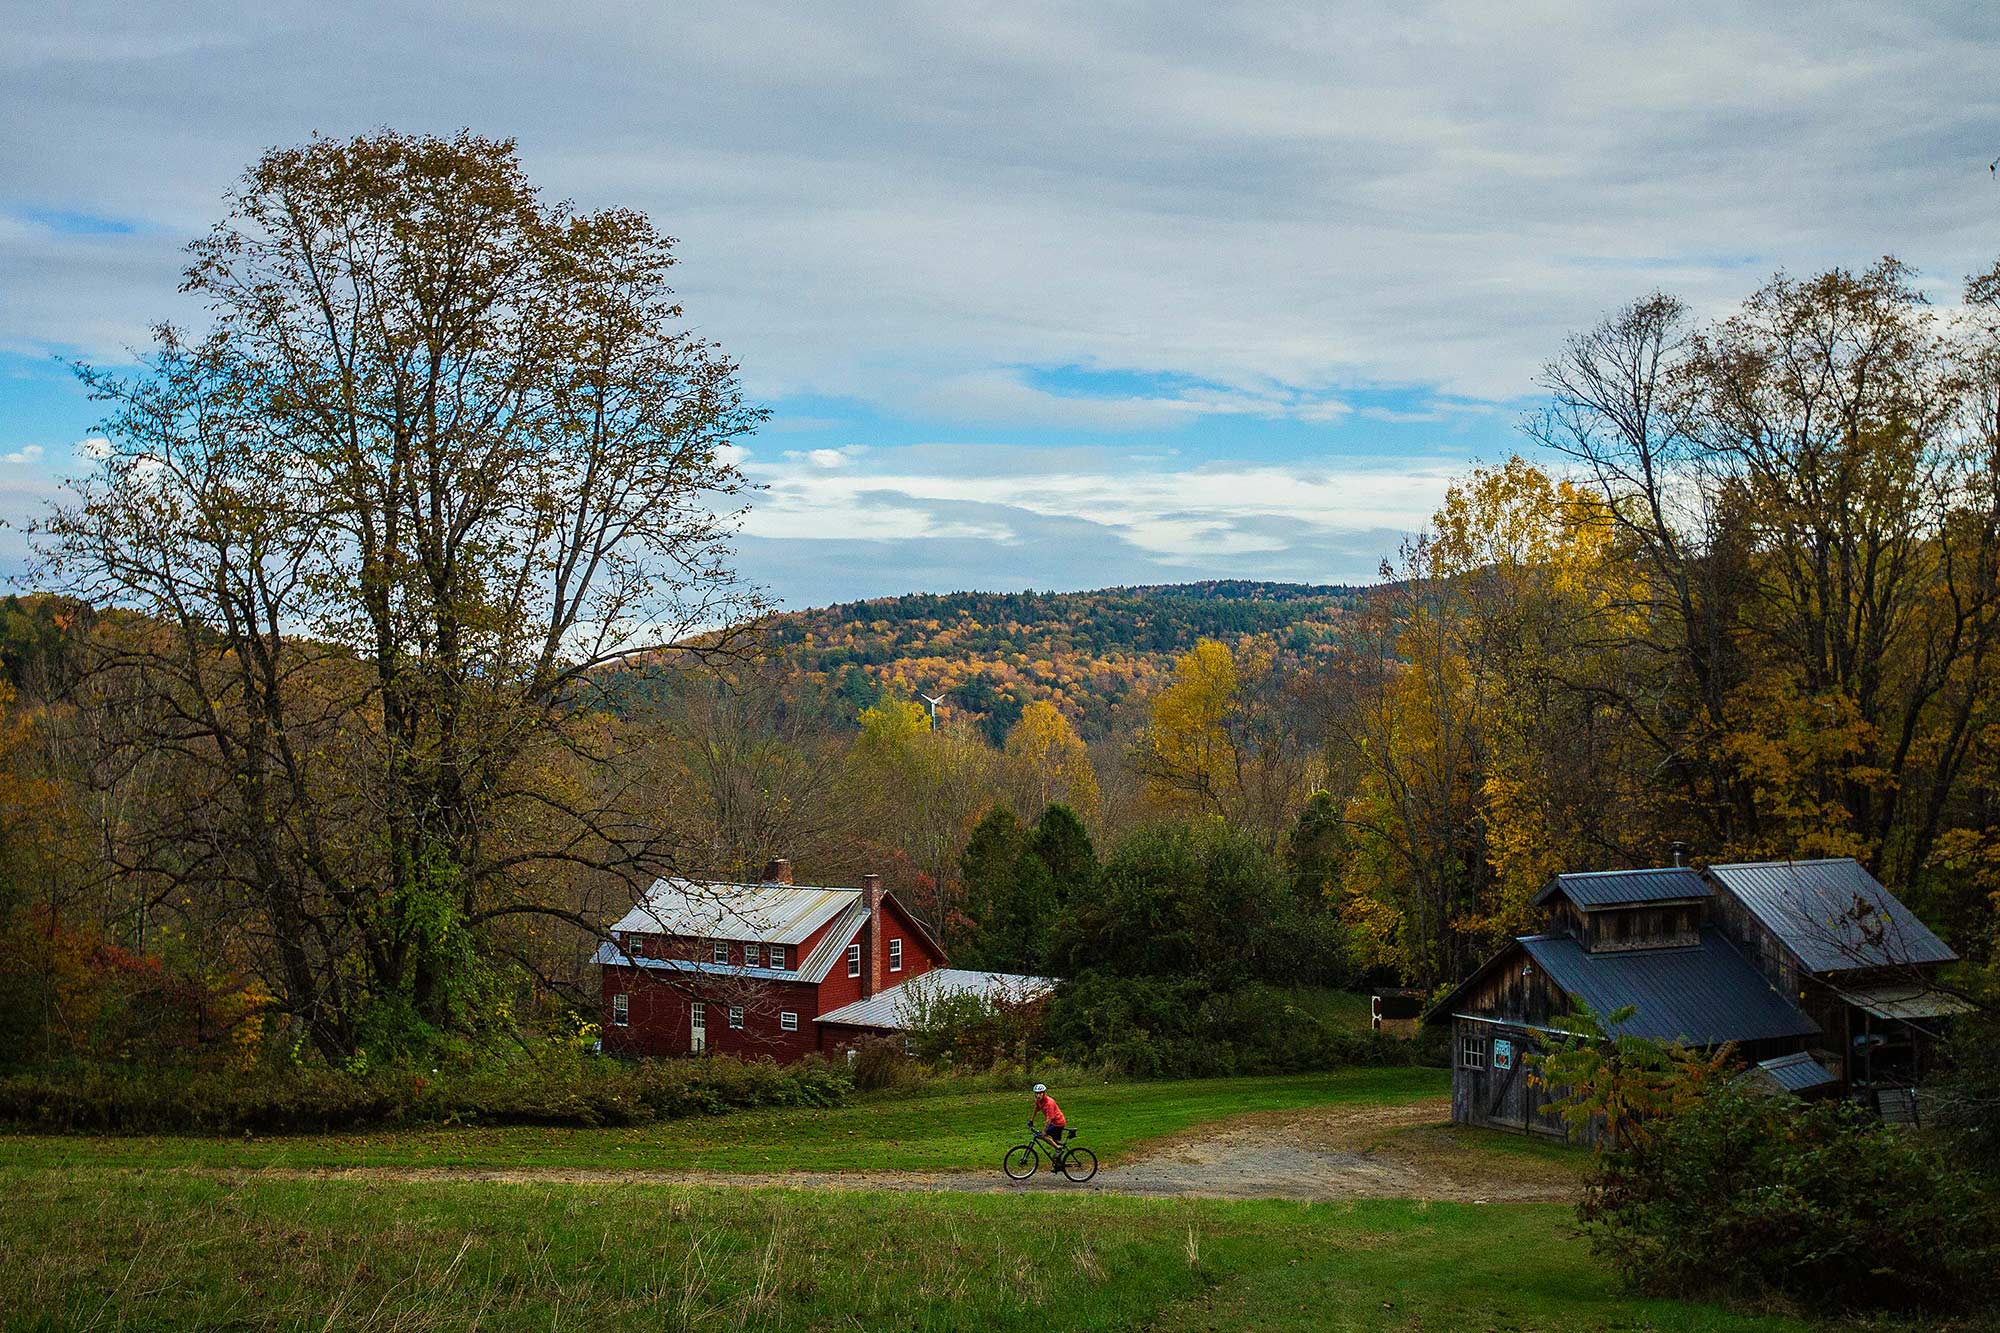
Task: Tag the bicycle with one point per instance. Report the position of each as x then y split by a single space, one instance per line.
1024 1159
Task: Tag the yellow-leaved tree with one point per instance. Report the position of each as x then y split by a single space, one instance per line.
1471 746
1048 763
1222 741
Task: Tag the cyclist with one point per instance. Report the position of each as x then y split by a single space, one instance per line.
1052 1117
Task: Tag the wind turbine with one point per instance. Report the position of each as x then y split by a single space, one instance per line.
933 703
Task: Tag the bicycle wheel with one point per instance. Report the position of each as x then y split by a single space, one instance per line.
1079 1164
1020 1162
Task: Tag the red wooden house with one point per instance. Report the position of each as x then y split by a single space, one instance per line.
773 969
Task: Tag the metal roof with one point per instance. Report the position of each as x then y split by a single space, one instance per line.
891 1009
1616 888
609 954
1904 1001
1832 913
1703 994
833 945
768 913
812 969
1797 1072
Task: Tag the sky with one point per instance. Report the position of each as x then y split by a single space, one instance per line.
1045 296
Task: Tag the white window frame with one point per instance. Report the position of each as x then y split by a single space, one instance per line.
854 959
788 1021
621 1011
895 955
736 1017
777 958
719 953
698 1016
1472 1051
752 956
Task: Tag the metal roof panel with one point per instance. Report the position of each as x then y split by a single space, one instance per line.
609 955
768 913
1797 1072
1832 913
1704 994
815 966
891 1009
1616 888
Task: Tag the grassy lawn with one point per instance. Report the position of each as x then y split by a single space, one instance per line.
936 1131
94 1247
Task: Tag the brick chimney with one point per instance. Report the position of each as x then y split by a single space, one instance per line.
778 871
872 961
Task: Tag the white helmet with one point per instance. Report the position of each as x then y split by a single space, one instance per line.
1041 1087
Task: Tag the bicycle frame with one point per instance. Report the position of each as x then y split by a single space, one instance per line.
1045 1152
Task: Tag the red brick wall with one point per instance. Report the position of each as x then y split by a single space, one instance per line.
661 1022
917 955
839 988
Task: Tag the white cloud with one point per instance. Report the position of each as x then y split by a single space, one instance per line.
94 449
1266 212
27 453
1427 195
1181 516
827 459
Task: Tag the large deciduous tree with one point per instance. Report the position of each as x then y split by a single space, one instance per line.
443 449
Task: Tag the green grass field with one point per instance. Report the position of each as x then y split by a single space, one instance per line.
193 1232
939 1131
113 1249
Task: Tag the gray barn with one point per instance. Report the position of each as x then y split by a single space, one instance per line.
1813 969
1617 938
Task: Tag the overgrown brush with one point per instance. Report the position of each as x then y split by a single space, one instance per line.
1820 1205
549 1088
1154 1027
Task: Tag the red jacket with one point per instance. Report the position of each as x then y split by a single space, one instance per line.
1045 1105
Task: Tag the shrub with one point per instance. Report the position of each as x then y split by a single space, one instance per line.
1748 1195
558 1087
879 1062
1151 1027
971 1029
1965 1102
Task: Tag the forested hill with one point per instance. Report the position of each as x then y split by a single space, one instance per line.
993 653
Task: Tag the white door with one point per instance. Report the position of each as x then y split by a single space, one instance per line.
698 1028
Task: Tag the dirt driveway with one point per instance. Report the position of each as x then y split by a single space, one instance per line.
1407 1151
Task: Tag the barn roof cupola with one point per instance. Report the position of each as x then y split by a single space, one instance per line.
1619 911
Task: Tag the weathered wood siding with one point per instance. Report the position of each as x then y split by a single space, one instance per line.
1516 990
1642 926
1492 1083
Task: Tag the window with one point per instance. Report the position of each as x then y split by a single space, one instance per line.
895 955
789 1021
736 1015
778 956
721 953
1472 1053
621 1011
750 956
700 1017
854 960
